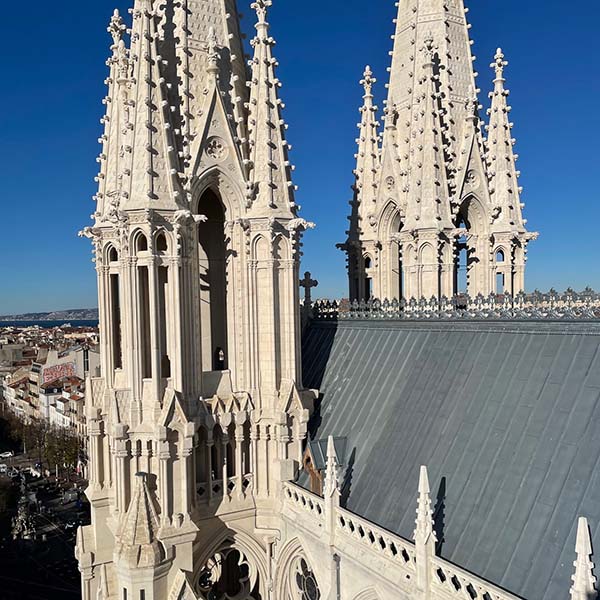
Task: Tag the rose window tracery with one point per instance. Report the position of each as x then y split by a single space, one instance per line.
216 148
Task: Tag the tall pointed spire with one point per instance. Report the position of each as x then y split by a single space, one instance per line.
367 158
269 167
154 162
428 186
424 533
425 538
437 178
584 582
505 190
446 23
109 192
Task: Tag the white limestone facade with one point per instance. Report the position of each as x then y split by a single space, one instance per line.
198 420
437 205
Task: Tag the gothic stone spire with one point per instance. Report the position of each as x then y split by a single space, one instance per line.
150 144
505 190
584 582
428 197
367 158
272 190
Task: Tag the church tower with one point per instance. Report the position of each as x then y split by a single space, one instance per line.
199 411
436 207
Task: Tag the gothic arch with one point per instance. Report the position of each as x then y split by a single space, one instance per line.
110 253
162 241
223 186
239 540
427 254
291 555
281 248
139 241
474 215
261 248
473 250
390 221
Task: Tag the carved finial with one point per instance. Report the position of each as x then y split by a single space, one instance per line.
213 52
424 533
116 27
428 48
332 483
499 64
368 81
472 104
584 582
261 6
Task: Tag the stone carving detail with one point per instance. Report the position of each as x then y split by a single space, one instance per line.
216 148
472 179
552 306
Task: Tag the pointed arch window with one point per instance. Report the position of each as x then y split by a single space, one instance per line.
213 282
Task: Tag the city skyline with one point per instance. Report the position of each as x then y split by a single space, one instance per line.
49 138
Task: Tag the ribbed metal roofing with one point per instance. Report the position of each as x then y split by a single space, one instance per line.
505 415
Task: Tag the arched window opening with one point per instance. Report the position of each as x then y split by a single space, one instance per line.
161 243
368 278
144 313
213 281
163 285
500 256
461 277
113 255
115 321
141 243
462 268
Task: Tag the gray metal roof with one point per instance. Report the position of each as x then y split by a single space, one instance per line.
505 415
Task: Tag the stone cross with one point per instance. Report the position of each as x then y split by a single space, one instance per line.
307 283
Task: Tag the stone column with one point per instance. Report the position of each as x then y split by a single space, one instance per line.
164 456
239 459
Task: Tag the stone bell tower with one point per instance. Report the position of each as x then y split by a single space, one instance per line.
436 207
199 411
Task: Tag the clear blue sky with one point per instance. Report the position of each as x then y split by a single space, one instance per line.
52 85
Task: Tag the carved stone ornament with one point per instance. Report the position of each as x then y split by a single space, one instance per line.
216 148
472 178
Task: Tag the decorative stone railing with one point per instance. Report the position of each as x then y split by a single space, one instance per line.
304 500
377 539
553 306
444 579
451 581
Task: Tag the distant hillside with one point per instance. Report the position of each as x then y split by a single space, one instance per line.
74 314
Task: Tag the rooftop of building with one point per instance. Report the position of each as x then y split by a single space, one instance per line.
504 413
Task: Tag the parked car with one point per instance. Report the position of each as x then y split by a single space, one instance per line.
8 454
